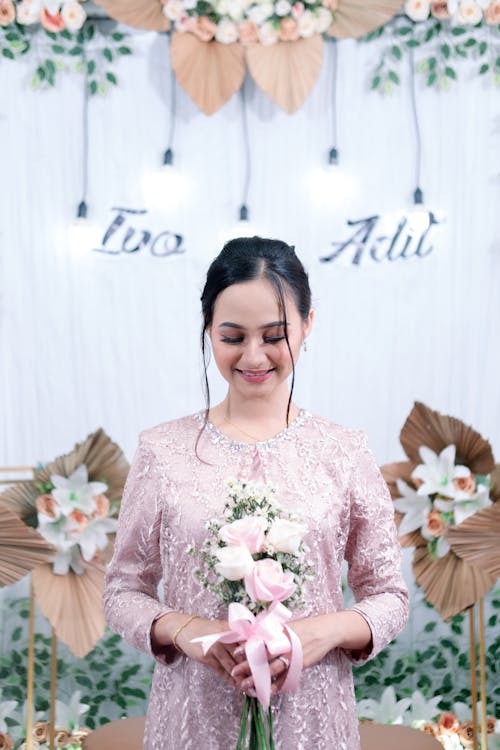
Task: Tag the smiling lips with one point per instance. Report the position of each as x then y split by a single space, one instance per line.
255 376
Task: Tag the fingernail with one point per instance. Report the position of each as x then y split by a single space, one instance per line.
238 651
233 671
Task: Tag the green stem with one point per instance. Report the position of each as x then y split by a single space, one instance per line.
271 729
242 737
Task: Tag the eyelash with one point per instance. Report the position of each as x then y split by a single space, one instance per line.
270 340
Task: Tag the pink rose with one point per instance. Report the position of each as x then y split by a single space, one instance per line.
288 30
492 13
267 582
439 9
247 531
50 22
205 28
448 722
297 10
248 32
7 12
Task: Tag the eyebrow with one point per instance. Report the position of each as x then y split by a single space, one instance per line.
274 324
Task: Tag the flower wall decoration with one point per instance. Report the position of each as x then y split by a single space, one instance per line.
459 12
449 481
71 507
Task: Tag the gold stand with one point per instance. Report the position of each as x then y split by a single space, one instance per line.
482 677
31 671
53 691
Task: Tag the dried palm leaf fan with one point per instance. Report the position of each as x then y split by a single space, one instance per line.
21 549
286 71
210 72
454 582
141 14
354 18
71 602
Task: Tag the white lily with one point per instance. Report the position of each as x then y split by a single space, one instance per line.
387 711
68 714
415 506
95 536
464 507
438 472
6 709
422 709
76 492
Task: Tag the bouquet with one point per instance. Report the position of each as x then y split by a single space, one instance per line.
254 560
74 516
446 494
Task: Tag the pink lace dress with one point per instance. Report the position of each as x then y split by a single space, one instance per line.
322 471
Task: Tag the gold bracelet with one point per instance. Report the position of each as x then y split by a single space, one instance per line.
181 627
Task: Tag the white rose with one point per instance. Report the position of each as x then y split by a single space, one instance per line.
73 16
417 10
324 20
227 32
282 8
174 9
28 13
190 4
234 562
469 12
258 14
286 536
268 34
306 24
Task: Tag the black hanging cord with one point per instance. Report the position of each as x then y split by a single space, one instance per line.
82 206
243 212
333 153
418 196
168 156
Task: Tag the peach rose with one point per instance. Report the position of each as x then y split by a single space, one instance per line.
440 10
435 524
46 505
248 32
288 30
448 722
101 506
492 13
50 22
467 484
79 518
490 724
6 742
62 738
7 12
466 734
330 4
41 731
205 28
429 727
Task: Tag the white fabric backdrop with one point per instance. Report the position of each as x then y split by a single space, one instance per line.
113 341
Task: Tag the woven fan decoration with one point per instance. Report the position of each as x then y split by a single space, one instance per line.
447 505
280 41
60 526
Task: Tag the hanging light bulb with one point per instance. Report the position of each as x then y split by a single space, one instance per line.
243 227
83 235
419 218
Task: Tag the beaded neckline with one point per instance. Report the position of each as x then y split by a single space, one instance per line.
218 437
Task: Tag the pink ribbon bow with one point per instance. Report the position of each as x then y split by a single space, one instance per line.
263 634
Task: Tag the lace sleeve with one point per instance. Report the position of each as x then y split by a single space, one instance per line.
130 600
373 554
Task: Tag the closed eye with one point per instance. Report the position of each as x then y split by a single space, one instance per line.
273 339
231 340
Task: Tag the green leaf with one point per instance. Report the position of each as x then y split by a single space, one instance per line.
396 52
393 76
412 43
403 30
90 67
431 79
484 69
58 49
470 42
429 34
50 67
80 38
16 635
117 36
89 31
12 36
66 35
124 50
41 73
8 53
84 681
93 87
376 82
445 50
458 31
429 627
112 78
483 46
108 54
450 73
77 50
432 63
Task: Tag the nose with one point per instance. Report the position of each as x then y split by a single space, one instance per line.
253 356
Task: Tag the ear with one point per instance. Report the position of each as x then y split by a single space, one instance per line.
308 323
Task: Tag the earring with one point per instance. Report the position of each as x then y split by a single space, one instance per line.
304 345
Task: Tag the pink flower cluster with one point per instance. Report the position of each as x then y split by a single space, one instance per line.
54 16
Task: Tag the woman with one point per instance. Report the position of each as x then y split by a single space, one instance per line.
256 314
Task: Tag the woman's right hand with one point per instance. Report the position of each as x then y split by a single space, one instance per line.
221 657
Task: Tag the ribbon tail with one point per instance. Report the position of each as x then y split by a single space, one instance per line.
296 662
259 666
227 636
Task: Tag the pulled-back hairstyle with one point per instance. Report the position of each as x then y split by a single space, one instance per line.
246 259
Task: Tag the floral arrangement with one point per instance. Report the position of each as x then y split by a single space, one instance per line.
460 12
454 730
254 561
68 732
74 516
446 495
247 21
53 15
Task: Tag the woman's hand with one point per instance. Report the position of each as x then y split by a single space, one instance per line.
220 657
318 635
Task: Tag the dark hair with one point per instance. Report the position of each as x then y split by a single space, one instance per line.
248 258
